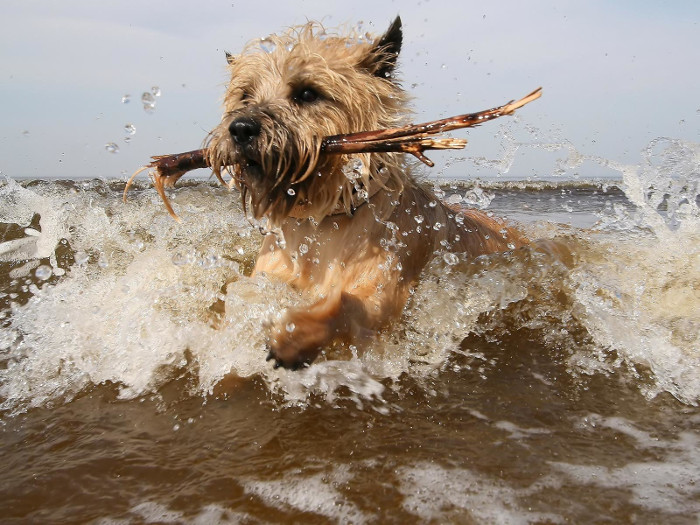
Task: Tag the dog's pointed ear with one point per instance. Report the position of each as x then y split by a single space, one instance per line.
382 59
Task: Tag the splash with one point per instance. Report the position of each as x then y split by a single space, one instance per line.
97 292
641 297
637 290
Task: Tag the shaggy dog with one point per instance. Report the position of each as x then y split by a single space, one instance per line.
351 232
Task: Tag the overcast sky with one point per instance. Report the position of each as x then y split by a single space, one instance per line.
615 75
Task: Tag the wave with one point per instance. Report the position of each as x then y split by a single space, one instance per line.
98 292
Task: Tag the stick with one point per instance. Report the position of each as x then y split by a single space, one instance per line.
360 142
414 139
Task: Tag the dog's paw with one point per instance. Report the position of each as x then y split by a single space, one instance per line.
285 363
295 346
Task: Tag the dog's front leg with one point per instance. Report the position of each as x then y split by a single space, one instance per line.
304 332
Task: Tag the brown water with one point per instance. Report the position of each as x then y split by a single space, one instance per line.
519 388
524 444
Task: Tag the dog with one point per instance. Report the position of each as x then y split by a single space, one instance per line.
350 232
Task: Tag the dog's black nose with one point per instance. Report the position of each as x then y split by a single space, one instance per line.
244 130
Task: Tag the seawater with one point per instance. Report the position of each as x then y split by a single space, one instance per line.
558 383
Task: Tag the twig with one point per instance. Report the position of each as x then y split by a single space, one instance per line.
361 142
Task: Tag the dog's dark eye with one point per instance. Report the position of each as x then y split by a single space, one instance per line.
306 95
245 96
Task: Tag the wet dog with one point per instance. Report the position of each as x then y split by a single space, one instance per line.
351 232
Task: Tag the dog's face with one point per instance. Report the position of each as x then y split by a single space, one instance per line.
286 94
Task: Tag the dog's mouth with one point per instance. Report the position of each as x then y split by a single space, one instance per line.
251 167
267 193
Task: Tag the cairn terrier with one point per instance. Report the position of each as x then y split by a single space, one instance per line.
351 232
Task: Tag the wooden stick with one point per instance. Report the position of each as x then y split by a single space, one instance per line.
414 139
350 143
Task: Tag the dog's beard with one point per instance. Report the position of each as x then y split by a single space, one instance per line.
273 171
266 192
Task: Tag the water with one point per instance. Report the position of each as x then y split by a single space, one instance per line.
548 385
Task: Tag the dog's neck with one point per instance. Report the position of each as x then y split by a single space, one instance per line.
377 184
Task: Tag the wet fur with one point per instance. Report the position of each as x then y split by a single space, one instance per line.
355 259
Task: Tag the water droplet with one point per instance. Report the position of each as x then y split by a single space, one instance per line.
419 219
303 249
267 45
103 261
210 261
432 204
353 169
149 102
478 198
155 90
437 226
129 129
290 327
450 258
43 272
126 99
291 191
511 246
81 258
111 147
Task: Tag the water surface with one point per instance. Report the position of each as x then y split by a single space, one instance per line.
538 386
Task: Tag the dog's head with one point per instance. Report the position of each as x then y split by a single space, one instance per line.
287 92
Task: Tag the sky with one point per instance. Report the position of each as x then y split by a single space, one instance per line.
615 75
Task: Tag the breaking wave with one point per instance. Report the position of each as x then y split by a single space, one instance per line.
97 292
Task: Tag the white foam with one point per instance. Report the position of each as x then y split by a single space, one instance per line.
643 303
19 205
438 494
519 433
152 512
310 493
666 485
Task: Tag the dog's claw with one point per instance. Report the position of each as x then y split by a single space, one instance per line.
270 356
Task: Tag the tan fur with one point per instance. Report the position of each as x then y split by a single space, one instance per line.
354 259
